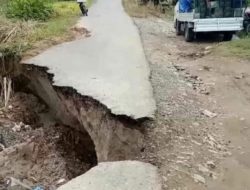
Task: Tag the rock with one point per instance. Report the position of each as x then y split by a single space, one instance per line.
60 181
235 37
237 77
196 124
21 126
27 127
203 169
240 76
16 128
199 179
195 142
2 142
208 48
39 188
2 147
15 184
211 164
242 119
213 176
207 68
123 175
207 52
209 113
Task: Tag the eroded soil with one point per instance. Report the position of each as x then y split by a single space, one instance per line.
37 150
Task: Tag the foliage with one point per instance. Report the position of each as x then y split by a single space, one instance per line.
65 15
63 8
29 9
20 35
135 9
3 4
14 31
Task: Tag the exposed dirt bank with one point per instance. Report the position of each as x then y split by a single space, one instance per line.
115 137
37 149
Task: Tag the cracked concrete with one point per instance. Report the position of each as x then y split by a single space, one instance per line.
110 66
115 137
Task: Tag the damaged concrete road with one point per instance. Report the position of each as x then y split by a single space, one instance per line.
124 175
109 66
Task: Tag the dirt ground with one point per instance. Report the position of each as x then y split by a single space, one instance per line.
200 136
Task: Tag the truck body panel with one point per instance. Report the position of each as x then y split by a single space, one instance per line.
218 24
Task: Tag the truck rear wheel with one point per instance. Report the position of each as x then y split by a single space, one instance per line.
228 36
248 29
177 28
189 34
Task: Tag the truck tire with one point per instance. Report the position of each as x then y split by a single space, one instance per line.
189 34
227 36
248 29
178 28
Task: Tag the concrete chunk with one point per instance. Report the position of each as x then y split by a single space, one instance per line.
123 175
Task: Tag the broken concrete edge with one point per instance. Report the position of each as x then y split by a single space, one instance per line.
121 117
114 137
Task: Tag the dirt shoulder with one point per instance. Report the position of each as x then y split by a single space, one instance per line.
197 137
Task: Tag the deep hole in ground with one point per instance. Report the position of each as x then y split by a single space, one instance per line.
64 133
41 151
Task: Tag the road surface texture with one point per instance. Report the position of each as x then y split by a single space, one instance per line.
199 138
109 66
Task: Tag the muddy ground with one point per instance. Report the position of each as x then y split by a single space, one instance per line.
198 140
200 137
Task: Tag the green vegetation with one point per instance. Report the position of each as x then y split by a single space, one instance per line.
29 9
134 9
25 29
65 16
238 48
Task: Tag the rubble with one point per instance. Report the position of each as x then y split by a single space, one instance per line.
211 164
60 181
209 113
199 179
203 169
14 184
240 76
18 127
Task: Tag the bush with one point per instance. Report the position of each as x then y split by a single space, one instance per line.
29 9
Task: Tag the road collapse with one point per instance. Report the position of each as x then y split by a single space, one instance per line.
96 135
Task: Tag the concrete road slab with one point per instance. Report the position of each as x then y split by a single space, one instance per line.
123 175
109 66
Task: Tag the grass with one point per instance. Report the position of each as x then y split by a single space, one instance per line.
134 9
66 15
236 48
25 35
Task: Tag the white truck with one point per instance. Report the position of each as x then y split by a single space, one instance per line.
202 16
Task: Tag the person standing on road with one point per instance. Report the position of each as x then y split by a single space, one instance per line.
83 6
